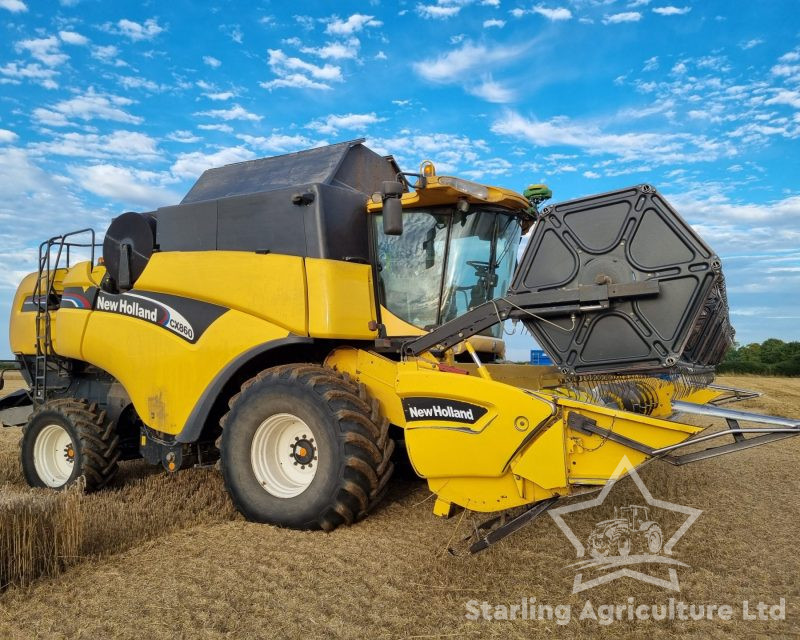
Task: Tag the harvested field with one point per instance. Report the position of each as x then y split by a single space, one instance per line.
167 556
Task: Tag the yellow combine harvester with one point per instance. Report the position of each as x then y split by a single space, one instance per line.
294 318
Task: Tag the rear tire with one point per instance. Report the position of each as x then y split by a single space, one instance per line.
305 447
65 440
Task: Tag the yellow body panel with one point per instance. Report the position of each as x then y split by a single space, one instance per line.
521 450
163 374
268 286
69 323
341 299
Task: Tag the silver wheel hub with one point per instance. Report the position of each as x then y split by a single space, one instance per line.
54 455
284 455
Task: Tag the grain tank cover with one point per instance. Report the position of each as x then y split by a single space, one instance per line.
346 164
627 236
311 203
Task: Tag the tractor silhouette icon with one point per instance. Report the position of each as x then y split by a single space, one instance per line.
630 529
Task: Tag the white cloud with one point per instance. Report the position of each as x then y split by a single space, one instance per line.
657 148
34 71
14 6
125 185
191 165
107 54
89 106
46 50
233 31
222 128
490 167
651 64
456 65
784 96
381 56
7 136
220 95
293 72
352 121
559 13
592 175
671 11
72 37
133 82
277 142
212 62
494 22
91 145
490 3
451 153
183 136
134 30
236 112
492 91
749 44
625 16
353 24
437 12
336 50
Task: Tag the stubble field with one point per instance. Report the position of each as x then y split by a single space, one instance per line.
167 556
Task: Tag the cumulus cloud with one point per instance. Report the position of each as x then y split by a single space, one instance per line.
437 11
7 136
14 6
277 142
351 25
352 121
46 50
91 145
135 31
638 146
671 11
294 72
236 112
15 72
494 22
88 106
191 165
456 65
492 91
336 50
72 37
625 16
125 185
554 14
212 62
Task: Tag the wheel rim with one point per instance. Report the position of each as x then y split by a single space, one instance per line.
284 455
54 455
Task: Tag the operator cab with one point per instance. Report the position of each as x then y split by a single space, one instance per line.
456 249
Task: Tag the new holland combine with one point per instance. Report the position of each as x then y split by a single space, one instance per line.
302 320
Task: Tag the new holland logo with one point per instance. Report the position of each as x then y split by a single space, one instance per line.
144 308
441 409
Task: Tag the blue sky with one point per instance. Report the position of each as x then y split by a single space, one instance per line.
112 106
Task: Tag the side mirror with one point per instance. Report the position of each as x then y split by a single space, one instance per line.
392 208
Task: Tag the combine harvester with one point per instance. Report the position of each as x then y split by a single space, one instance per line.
296 317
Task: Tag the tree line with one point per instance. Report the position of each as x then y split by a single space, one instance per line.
771 357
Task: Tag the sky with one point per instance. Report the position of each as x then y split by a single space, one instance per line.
107 107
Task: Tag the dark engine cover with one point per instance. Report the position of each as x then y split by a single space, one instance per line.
626 236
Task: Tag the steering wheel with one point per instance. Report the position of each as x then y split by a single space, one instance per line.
481 267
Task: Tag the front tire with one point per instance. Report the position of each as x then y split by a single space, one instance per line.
305 447
65 440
